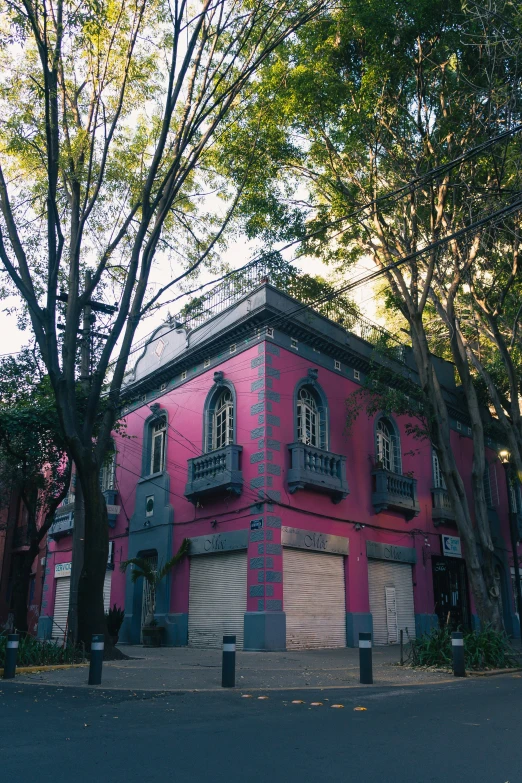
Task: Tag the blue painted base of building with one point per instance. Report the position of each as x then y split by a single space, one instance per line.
175 625
356 623
265 631
45 627
424 624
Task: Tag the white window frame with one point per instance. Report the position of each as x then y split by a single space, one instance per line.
438 478
388 446
308 418
108 473
158 432
223 421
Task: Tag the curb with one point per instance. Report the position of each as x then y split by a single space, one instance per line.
49 668
492 672
242 689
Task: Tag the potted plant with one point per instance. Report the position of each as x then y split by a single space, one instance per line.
114 618
152 633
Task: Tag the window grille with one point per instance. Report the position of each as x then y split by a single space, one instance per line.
307 418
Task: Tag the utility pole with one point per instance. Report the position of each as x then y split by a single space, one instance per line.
78 541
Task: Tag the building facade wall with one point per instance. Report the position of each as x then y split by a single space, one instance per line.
264 372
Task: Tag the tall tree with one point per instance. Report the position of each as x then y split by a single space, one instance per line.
109 114
391 114
33 463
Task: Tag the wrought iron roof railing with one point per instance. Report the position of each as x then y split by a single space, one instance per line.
318 295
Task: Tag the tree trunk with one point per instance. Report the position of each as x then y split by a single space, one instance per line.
22 564
481 571
91 615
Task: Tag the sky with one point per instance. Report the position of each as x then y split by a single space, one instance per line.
237 254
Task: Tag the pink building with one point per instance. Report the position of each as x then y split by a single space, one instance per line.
302 533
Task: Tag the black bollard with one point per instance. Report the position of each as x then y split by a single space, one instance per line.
228 673
365 658
95 666
457 646
11 654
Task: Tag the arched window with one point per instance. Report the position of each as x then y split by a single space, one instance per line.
223 421
311 421
388 446
158 444
308 418
220 410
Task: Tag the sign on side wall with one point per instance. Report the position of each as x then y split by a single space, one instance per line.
62 569
310 539
398 554
220 542
451 546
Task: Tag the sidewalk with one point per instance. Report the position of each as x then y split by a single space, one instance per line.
183 668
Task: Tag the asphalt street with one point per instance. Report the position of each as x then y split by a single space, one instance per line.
463 732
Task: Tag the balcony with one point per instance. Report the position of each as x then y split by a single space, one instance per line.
442 513
63 521
395 492
215 472
317 469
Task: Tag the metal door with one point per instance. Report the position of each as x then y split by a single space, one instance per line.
148 592
387 581
217 599
314 599
450 592
61 608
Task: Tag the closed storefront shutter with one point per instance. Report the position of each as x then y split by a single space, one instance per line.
391 601
314 599
218 598
61 607
107 591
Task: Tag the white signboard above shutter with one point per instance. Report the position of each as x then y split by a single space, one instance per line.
451 546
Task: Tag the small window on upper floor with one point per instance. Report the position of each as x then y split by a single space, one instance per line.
514 497
311 418
388 446
108 471
438 478
158 445
223 421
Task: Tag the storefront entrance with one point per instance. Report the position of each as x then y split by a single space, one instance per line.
450 590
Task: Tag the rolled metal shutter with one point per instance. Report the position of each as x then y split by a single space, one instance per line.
61 607
391 613
107 591
314 599
217 599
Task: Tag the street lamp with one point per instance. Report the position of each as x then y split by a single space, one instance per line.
505 458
